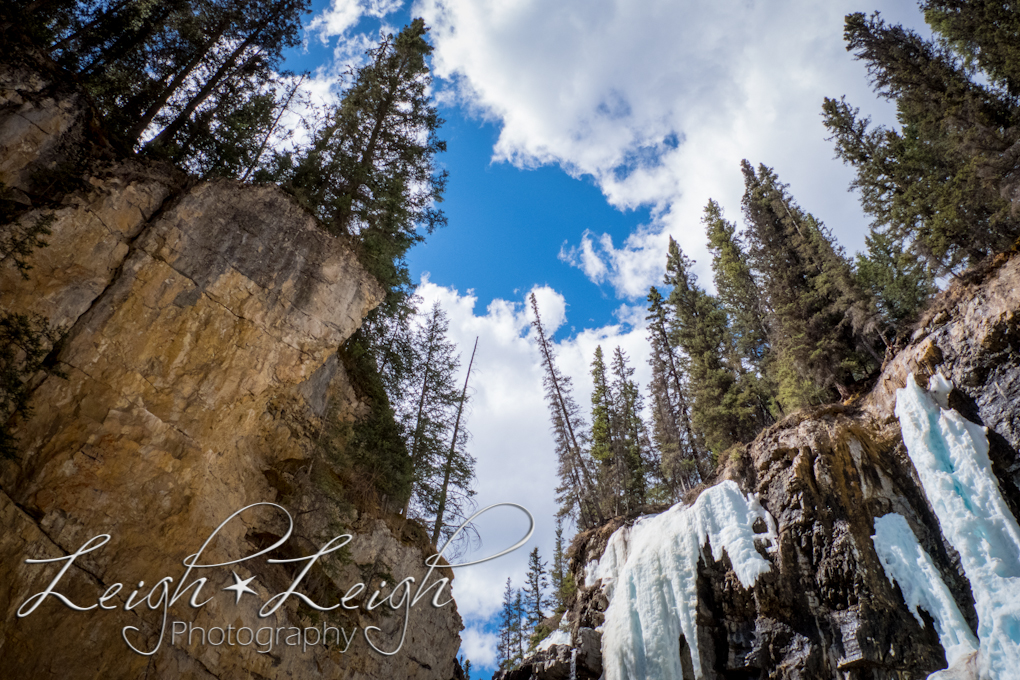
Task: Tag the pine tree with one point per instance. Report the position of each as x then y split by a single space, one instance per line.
179 74
985 33
458 469
370 170
824 327
506 645
520 621
698 327
535 583
601 404
745 308
428 405
900 283
577 493
937 183
672 433
558 571
631 439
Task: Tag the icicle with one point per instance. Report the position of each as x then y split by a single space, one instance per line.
649 573
906 563
950 455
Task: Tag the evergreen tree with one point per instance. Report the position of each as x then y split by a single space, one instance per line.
601 404
370 170
698 327
900 283
506 649
577 493
631 440
178 74
458 470
672 433
824 327
937 183
985 33
535 584
428 406
520 621
744 305
558 571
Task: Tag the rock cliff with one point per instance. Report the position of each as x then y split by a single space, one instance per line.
199 326
827 609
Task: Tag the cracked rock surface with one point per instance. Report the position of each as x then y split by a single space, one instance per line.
199 356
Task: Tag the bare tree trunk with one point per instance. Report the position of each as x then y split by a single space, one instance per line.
272 129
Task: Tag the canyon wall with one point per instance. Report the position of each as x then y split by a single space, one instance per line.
199 324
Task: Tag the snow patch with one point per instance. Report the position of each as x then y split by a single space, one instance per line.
906 563
557 637
649 573
950 455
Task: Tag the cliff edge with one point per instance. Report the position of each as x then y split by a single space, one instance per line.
197 362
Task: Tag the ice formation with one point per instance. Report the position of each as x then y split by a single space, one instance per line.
649 573
950 455
906 563
557 637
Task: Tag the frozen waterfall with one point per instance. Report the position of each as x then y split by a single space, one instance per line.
906 563
649 572
950 455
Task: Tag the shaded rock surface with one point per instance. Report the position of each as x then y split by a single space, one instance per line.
827 609
198 358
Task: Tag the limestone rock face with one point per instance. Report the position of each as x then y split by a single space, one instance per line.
198 358
827 609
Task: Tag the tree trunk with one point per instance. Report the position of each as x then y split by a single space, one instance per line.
449 457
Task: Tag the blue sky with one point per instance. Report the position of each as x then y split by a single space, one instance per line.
582 134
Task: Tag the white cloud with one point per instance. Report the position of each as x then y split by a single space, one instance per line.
479 646
343 15
586 256
659 101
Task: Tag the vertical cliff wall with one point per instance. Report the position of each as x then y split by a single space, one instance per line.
197 361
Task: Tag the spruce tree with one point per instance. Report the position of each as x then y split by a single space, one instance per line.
601 420
506 650
182 74
577 492
428 405
535 583
455 491
900 283
672 434
936 183
370 171
748 314
558 571
698 327
985 32
631 441
824 326
520 621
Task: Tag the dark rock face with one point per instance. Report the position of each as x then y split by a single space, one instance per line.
827 609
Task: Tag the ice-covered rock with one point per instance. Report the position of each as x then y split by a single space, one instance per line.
906 563
649 572
950 455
